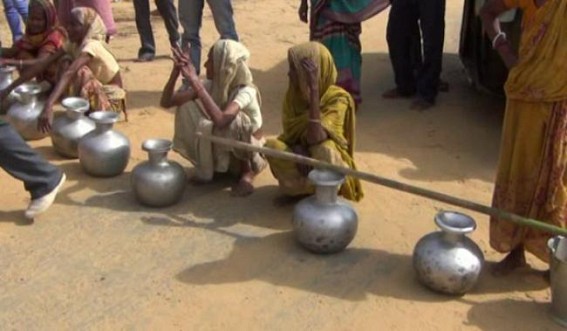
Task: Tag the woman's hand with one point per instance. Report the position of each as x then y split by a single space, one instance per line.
183 61
45 119
303 11
302 168
311 69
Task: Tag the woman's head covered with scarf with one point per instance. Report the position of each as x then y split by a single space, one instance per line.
326 72
86 25
42 28
227 68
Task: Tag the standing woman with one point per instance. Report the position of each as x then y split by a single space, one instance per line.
89 69
337 25
43 38
531 179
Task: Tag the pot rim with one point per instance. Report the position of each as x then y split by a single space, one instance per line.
455 222
157 145
104 117
76 104
7 69
325 177
28 88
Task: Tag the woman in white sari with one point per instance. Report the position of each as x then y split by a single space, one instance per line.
226 104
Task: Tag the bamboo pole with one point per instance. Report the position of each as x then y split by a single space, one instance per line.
391 184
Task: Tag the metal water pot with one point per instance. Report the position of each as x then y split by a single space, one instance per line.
24 113
558 276
158 182
67 130
447 261
104 152
324 223
6 76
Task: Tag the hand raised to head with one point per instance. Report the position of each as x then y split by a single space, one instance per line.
311 70
183 61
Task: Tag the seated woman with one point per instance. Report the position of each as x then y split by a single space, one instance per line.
227 104
43 38
89 69
102 7
318 121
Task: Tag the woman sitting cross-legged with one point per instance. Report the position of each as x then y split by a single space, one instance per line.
226 104
43 37
318 121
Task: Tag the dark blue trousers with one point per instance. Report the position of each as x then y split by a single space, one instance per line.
168 12
417 66
23 163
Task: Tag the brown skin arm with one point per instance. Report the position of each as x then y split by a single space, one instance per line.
26 63
32 72
489 14
303 11
44 123
169 98
220 118
315 131
8 53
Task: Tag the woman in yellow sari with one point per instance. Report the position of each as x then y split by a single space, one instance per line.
318 121
531 179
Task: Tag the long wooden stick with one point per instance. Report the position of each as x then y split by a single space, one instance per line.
391 184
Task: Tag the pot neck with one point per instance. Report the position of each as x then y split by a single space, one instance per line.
326 193
157 157
103 127
5 76
74 113
452 237
28 99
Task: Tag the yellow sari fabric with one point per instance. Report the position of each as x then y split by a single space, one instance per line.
532 177
337 118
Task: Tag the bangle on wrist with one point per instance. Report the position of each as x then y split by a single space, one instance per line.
497 37
313 120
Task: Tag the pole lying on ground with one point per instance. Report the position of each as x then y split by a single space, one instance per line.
391 184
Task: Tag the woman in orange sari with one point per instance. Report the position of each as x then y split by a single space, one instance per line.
531 178
43 38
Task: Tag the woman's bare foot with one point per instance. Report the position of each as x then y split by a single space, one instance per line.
245 185
514 260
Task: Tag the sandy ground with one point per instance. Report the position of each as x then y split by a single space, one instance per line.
98 260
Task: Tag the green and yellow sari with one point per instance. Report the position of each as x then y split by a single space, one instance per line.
337 118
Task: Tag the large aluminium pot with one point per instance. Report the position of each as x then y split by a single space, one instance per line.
158 182
324 223
104 152
68 129
25 112
447 261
